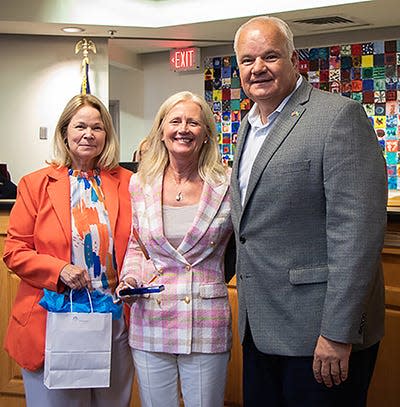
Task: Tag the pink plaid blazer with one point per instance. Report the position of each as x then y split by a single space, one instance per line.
192 314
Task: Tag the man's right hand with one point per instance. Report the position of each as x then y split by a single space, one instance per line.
331 361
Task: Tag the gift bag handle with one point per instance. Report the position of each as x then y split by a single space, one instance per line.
90 299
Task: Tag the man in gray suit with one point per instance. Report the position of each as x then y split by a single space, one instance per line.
309 210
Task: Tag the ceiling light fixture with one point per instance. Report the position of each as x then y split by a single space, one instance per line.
72 29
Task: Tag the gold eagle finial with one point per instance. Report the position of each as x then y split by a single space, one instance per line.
85 46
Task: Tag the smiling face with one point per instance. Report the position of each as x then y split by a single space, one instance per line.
86 137
183 131
268 73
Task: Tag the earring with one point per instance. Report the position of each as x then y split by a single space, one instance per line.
205 141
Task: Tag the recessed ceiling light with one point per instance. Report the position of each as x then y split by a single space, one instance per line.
72 29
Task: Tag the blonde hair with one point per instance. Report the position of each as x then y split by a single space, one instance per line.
141 149
156 158
108 158
280 24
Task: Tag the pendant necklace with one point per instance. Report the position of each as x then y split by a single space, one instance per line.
179 196
179 187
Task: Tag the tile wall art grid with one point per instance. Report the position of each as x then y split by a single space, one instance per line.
367 72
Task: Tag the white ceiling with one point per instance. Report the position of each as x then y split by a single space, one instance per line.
143 26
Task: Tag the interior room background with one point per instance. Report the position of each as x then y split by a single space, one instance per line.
39 74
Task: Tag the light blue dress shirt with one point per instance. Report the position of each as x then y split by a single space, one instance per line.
255 138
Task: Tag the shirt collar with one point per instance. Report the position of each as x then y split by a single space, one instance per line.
254 117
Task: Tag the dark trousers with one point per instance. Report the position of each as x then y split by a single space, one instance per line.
288 381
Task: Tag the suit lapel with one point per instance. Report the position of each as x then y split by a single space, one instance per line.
58 188
283 125
210 202
236 202
153 203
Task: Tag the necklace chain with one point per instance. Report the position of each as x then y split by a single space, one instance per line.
179 196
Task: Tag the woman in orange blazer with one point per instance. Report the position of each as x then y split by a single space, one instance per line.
69 229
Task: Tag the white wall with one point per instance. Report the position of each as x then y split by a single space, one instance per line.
126 85
39 75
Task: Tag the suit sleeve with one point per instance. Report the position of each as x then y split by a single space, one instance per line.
230 259
134 258
40 270
356 196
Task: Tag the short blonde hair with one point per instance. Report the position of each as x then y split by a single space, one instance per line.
280 24
108 158
156 159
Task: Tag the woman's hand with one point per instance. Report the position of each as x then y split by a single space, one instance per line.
128 282
75 277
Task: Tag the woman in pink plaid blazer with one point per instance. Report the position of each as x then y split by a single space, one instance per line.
181 211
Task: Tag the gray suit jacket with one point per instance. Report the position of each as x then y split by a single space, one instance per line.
311 229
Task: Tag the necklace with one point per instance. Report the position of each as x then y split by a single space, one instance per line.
179 195
179 187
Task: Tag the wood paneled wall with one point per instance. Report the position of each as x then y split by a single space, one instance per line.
11 386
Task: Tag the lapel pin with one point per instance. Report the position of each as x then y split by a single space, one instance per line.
295 113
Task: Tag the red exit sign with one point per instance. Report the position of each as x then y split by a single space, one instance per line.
185 59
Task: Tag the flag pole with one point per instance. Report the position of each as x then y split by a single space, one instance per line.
85 46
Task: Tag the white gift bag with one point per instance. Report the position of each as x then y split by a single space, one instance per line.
78 349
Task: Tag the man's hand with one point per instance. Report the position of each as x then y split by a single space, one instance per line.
331 361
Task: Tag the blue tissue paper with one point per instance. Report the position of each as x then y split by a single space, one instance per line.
60 302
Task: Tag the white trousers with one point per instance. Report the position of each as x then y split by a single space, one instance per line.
202 378
117 395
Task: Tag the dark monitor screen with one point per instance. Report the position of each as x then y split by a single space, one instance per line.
3 170
130 165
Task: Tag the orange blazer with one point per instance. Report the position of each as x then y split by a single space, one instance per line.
38 246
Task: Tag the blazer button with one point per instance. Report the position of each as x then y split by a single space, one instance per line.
242 239
187 300
188 267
